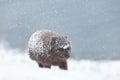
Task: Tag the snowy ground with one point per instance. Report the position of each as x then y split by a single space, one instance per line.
18 66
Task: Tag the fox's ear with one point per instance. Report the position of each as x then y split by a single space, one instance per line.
53 41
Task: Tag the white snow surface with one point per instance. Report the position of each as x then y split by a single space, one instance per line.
17 66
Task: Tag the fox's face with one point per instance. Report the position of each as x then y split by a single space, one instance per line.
61 47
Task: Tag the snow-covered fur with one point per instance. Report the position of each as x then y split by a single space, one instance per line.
49 48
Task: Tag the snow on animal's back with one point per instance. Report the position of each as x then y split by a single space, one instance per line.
36 40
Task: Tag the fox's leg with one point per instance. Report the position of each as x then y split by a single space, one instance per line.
40 65
44 66
47 66
63 65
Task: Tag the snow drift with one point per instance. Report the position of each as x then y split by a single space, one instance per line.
17 66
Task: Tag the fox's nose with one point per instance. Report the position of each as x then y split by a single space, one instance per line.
67 55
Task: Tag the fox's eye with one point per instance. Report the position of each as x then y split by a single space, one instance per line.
68 48
61 49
